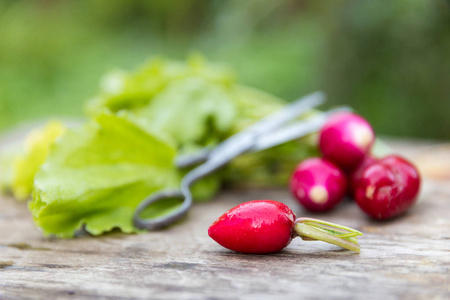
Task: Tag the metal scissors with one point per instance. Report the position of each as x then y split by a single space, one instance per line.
266 133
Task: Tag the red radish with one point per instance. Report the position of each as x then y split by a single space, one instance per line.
356 174
267 226
409 172
261 226
345 139
387 188
318 184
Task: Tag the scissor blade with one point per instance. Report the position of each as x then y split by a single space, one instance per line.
294 131
286 114
247 137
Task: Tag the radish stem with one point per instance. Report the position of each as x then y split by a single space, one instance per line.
312 229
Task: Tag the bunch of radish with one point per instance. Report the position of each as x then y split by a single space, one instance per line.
383 188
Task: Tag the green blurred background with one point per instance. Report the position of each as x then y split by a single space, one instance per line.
390 60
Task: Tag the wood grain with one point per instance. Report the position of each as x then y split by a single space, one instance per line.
406 258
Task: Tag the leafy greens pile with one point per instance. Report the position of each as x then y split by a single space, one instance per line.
94 176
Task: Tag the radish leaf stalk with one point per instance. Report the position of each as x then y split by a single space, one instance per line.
309 229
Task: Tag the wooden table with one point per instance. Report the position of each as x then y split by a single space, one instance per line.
406 258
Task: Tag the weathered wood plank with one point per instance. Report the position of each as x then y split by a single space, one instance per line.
406 258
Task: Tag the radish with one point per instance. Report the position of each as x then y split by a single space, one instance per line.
345 139
318 184
267 226
387 188
355 174
260 226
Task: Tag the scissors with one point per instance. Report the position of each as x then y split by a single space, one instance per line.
266 133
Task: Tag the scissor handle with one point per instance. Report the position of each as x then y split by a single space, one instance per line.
166 220
218 157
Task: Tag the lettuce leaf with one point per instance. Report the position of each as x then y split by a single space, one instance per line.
191 111
7 156
122 90
27 164
96 175
198 104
